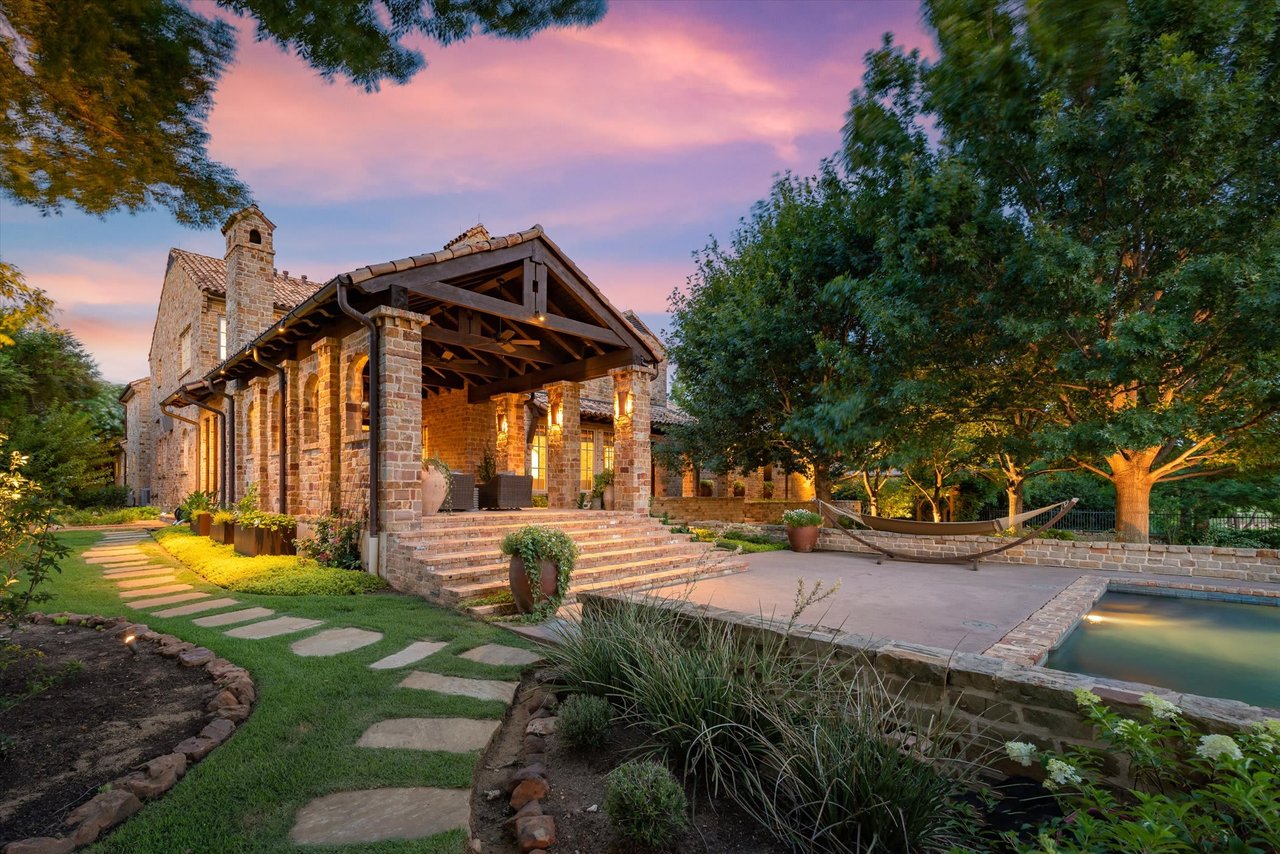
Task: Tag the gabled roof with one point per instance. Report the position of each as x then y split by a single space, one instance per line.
210 275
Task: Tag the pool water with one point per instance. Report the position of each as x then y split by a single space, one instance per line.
1197 646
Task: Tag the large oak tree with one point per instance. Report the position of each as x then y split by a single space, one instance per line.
1080 209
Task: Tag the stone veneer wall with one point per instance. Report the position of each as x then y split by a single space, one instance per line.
729 509
990 699
1255 565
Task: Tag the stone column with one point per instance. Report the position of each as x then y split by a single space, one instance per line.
329 420
510 410
689 483
754 479
400 416
631 452
564 437
260 438
292 463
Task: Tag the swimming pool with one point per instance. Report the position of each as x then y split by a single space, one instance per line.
1204 646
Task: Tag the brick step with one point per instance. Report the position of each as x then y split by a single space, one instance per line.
482 518
451 594
469 532
634 583
586 560
451 553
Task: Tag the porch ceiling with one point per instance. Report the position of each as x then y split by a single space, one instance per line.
508 314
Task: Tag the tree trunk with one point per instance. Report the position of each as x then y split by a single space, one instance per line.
1013 495
873 494
1133 481
821 483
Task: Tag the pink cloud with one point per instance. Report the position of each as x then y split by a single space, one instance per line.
643 82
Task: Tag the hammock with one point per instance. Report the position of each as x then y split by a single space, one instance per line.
943 529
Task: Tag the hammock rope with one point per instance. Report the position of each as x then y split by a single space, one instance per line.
942 529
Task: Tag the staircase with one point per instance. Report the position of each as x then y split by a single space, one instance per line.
454 558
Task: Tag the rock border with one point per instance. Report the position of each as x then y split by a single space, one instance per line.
230 705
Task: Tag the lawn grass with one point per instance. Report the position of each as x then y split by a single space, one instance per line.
300 741
272 575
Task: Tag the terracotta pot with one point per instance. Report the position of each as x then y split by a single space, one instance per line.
520 589
607 499
435 486
803 539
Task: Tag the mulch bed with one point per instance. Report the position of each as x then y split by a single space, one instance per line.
94 724
576 781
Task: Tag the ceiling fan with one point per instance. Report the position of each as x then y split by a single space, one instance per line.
508 341
452 358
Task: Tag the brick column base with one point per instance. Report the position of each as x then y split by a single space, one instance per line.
631 451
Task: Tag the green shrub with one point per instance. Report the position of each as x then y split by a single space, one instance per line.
335 542
645 803
584 721
107 496
274 575
1196 791
801 519
195 502
98 516
1235 538
223 517
1057 534
748 547
539 501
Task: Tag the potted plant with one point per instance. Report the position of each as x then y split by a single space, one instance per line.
767 490
222 527
542 561
245 532
602 489
706 488
195 509
437 480
802 529
739 489
279 530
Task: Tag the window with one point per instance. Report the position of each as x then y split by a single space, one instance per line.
184 351
608 451
588 457
222 338
311 411
538 459
364 397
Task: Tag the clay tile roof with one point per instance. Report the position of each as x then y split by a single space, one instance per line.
602 410
210 275
471 241
474 234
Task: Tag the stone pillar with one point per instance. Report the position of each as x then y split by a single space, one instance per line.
754 479
510 411
564 438
292 462
722 488
260 438
329 419
631 451
689 483
400 418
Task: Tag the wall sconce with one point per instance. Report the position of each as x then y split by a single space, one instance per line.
555 414
622 404
502 423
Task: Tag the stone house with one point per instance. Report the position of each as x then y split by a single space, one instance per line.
490 346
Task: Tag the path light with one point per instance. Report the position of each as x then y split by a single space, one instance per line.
131 642
1095 618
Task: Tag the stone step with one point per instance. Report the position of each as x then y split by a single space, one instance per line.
584 576
535 516
457 569
450 735
379 815
499 528
444 552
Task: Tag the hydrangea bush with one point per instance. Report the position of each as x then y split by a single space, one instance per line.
1193 791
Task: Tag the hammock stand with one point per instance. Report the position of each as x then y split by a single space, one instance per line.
944 529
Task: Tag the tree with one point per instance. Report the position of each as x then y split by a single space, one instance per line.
1100 230
20 304
104 102
744 334
29 552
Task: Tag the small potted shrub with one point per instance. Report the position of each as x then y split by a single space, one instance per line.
437 480
802 529
542 560
222 527
767 490
602 490
706 488
195 509
739 489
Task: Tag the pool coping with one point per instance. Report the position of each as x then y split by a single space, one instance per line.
1031 641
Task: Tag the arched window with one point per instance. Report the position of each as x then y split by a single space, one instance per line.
255 236
311 411
357 397
253 441
273 425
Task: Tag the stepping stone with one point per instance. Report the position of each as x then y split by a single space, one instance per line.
233 617
154 591
411 654
196 608
138 573
107 561
335 641
168 600
498 654
108 565
112 550
271 628
481 689
451 735
128 583
377 815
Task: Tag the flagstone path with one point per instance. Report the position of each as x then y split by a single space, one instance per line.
342 818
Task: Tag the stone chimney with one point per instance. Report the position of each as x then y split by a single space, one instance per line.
250 268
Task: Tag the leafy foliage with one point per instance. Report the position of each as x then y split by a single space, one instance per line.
584 721
29 552
21 306
534 544
336 541
1195 791
645 803
801 519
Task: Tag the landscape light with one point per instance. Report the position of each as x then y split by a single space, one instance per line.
131 643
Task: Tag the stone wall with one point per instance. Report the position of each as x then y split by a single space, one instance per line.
727 509
1254 565
991 700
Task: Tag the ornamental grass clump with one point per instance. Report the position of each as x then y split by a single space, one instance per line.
1193 791
584 721
645 803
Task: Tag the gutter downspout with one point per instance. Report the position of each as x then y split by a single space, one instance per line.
229 446
222 424
164 408
375 400
282 444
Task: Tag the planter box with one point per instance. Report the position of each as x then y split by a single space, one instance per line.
200 523
223 532
252 542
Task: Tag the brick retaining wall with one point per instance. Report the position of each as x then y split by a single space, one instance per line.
992 699
730 509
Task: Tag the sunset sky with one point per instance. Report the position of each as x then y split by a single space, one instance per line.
632 142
